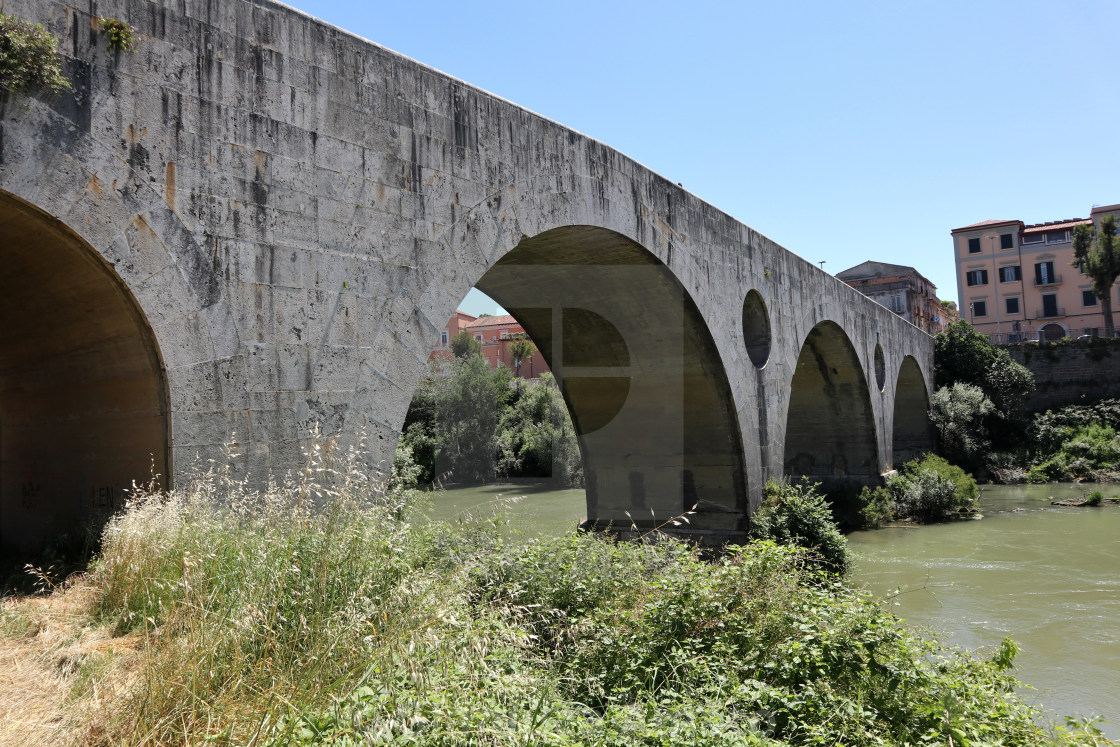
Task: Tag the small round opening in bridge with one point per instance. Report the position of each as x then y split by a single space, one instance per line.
880 368
756 329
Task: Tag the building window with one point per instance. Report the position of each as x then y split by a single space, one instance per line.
1010 274
1058 237
1012 305
979 308
1033 238
976 277
478 337
1006 242
443 338
1089 298
1049 305
1044 273
974 246
503 334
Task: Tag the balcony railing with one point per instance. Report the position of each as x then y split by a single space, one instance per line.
1051 280
1055 313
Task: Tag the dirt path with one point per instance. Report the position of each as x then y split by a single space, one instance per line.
55 670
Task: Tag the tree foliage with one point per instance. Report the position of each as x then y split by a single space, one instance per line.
799 516
29 58
959 412
466 424
963 356
968 428
1097 255
521 348
465 346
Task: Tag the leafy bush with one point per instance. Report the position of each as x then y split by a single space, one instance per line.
312 615
466 423
1050 429
932 489
799 516
959 411
1091 452
121 36
876 507
29 58
536 437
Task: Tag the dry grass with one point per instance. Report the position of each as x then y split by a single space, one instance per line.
56 672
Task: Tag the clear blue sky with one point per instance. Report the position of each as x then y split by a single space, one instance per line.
843 131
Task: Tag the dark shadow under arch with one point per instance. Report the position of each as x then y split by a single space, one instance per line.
83 396
640 372
913 432
830 427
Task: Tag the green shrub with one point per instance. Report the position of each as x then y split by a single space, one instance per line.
29 58
1095 498
1087 452
799 516
312 615
876 507
120 35
959 412
931 489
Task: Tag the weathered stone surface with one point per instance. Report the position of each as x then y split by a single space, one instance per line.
295 212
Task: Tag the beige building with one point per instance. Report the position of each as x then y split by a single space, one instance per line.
902 289
1017 282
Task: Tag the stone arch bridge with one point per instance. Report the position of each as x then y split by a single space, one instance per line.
255 222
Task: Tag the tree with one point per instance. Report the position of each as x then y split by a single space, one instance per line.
29 58
1097 255
465 346
521 349
959 412
963 356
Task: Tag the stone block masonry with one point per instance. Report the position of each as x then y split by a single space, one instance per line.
276 217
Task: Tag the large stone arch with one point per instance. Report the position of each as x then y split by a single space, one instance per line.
913 432
143 282
830 425
641 374
83 397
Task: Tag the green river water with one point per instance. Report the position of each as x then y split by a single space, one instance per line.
1049 577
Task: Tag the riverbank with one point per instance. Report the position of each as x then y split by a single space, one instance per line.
245 619
241 619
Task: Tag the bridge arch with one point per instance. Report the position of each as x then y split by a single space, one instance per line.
830 425
913 431
639 370
84 406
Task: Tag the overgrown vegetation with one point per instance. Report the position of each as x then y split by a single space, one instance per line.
978 411
926 490
120 35
29 58
313 615
469 423
798 515
986 413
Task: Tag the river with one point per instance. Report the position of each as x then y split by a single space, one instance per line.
1048 577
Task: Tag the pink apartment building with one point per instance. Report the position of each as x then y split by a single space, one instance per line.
495 333
1017 282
